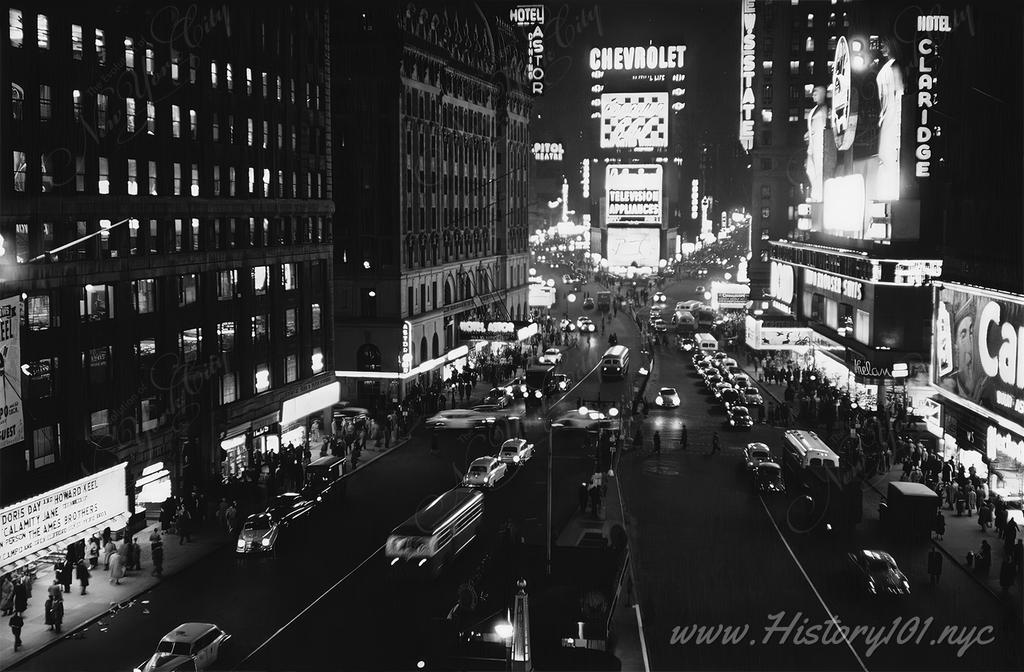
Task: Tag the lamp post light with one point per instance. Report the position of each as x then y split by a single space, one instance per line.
505 630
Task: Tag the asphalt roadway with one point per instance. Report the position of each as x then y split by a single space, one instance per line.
328 601
708 552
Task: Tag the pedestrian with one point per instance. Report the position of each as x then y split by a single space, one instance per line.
136 554
57 614
16 623
82 574
116 569
67 573
156 547
109 549
231 516
6 596
20 595
48 613
184 526
222 508
716 446
54 591
657 444
1009 535
984 516
934 565
683 439
939 526
1007 573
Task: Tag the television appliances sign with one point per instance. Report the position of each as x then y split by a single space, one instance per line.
634 120
633 194
978 349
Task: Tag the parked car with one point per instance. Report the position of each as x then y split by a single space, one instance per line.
660 326
588 303
720 387
729 397
457 418
739 417
700 290
752 399
515 451
878 573
659 299
755 453
550 356
193 646
742 380
711 380
560 382
768 478
667 397
484 472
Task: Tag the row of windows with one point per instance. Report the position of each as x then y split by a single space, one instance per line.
221 74
101 239
92 174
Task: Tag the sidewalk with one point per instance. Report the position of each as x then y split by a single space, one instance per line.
103 598
962 535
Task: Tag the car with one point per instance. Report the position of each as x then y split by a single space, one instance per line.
566 325
729 397
768 478
704 368
711 380
259 534
191 646
878 573
566 279
700 290
659 299
585 324
560 382
457 418
755 453
517 388
718 388
493 410
654 316
739 417
699 356
687 344
288 506
719 356
667 398
588 303
484 472
498 397
742 380
752 397
660 326
594 420
515 451
550 356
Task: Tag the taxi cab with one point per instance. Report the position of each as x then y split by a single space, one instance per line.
190 646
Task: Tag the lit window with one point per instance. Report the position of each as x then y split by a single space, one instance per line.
808 89
175 64
17 102
96 302
102 103
279 90
149 60
103 183
76 98
129 53
39 313
228 388
45 102
289 276
188 343
76 42
177 180
150 118
248 81
263 79
260 279
249 132
144 295
226 283
226 336
175 121
129 104
41 377
291 368
17 30
133 176
289 323
809 44
179 233
101 46
213 74
810 20
151 176
45 445
150 413
216 180
188 289
315 319
766 116
767 67
794 67
193 68
43 31
192 124
228 80
194 189
317 360
262 378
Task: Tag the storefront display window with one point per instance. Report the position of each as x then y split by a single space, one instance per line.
236 457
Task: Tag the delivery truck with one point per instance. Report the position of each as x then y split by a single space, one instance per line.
909 510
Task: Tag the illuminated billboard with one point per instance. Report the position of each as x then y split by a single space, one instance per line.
637 58
977 341
729 295
845 200
633 194
634 244
548 151
748 41
783 287
634 120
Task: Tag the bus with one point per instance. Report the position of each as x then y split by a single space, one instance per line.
436 534
615 362
803 449
604 300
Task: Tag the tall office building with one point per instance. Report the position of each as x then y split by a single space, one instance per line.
165 210
431 157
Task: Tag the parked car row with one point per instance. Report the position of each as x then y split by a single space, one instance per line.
729 385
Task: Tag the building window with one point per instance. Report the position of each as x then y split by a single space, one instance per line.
226 336
766 191
151 177
129 53
144 295
76 42
315 318
45 444
766 138
228 79
133 177
260 279
188 288
809 44
317 360
45 102
248 81
213 74
101 46
99 423
862 327
96 302
39 314
150 118
794 67
289 277
188 344
227 281
228 388
177 179
97 362
149 60
261 377
766 164
43 31
175 121
17 102
289 323
17 30
766 116
260 328
766 213
291 368
129 105
193 188
41 376
150 413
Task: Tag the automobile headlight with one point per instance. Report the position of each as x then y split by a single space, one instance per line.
241 543
732 422
522 388
561 386
265 542
659 401
515 458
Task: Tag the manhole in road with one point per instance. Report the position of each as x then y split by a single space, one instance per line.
661 469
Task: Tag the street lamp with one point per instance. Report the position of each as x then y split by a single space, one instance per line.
505 630
551 450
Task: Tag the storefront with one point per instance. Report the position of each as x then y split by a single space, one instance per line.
41 528
305 417
152 487
266 434
234 446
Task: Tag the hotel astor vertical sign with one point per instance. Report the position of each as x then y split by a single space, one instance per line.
531 17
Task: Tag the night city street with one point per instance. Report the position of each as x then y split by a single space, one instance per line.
485 335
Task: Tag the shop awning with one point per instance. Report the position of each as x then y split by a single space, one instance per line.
60 547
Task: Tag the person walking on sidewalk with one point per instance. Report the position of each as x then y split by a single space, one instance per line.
156 547
16 623
1009 536
116 569
656 449
82 574
716 446
683 439
934 565
6 596
231 518
1007 573
939 526
57 614
67 573
184 525
984 516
